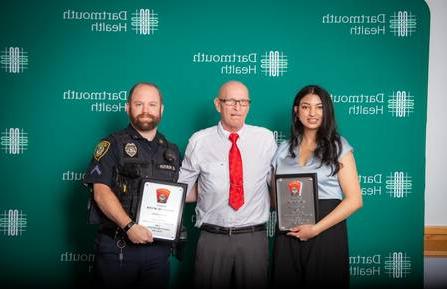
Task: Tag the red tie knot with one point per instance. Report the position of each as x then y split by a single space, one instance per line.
233 137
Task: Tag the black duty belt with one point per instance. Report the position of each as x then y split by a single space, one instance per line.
112 232
232 230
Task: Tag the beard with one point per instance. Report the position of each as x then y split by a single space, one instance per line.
149 123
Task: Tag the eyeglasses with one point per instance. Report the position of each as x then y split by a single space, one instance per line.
233 102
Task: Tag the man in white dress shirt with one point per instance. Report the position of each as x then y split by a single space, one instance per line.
232 250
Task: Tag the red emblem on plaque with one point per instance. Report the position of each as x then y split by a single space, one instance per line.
162 195
295 187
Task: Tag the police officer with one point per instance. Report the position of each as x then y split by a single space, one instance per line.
126 254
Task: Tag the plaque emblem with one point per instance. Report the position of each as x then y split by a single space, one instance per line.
162 195
295 187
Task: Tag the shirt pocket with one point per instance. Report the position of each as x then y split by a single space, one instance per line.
215 170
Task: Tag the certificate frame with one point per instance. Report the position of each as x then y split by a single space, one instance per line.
160 208
296 199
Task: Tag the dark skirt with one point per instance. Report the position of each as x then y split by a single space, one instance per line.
321 262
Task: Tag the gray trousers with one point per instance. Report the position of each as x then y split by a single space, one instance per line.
232 261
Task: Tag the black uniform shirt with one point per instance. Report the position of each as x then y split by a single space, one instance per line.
163 157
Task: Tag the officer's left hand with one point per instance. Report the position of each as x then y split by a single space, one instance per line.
303 232
139 234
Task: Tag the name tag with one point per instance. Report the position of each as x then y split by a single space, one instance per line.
166 167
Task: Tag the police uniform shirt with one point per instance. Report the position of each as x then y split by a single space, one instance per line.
129 146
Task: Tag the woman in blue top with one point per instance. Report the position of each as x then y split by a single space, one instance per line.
316 255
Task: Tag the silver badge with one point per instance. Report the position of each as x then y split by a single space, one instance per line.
131 149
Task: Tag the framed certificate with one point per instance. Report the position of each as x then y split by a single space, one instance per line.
161 208
296 200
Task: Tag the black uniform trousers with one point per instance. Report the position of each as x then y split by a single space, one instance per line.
231 260
141 266
321 262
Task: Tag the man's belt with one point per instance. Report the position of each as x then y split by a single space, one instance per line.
113 232
232 230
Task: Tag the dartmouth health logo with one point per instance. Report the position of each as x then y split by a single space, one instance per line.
13 222
396 184
399 184
143 21
14 141
270 63
14 60
397 265
399 104
393 265
400 24
274 64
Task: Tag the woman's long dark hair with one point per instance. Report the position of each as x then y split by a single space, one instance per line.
328 140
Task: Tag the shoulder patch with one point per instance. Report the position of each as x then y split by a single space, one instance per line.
101 149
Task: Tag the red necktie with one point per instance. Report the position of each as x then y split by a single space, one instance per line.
236 199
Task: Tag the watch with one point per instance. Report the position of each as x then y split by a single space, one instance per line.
128 226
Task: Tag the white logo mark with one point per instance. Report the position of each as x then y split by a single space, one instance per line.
401 104
397 265
403 24
13 222
274 64
145 21
14 60
14 141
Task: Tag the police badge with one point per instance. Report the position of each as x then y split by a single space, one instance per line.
131 149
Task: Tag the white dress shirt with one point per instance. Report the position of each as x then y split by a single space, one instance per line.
206 161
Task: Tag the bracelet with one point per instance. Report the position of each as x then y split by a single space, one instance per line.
128 226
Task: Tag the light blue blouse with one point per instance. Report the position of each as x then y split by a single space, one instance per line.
328 186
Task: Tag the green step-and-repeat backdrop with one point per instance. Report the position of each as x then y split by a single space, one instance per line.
66 67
